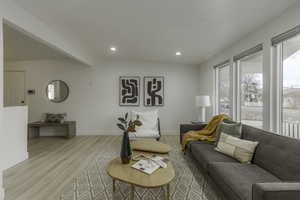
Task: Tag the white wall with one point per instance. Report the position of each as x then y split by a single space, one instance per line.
2 149
94 92
15 123
289 19
37 29
34 27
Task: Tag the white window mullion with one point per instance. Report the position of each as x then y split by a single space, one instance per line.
238 91
276 90
216 91
232 90
279 89
267 74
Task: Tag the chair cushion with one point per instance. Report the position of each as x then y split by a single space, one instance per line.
144 134
150 145
236 179
150 124
204 153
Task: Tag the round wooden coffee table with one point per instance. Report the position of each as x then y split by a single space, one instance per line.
125 173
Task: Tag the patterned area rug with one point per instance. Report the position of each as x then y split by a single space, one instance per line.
94 184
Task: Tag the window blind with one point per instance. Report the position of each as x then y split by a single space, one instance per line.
248 52
222 64
285 36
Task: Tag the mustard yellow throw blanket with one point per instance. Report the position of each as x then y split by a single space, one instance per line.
209 133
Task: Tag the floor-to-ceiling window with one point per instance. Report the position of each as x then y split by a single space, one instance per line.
223 88
250 87
239 89
289 86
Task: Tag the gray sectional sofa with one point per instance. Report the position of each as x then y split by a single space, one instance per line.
274 173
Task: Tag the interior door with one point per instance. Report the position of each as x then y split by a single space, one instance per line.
14 88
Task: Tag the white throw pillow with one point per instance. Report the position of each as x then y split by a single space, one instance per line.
242 150
150 124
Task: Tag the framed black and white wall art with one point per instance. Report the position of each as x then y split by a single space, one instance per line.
153 91
129 94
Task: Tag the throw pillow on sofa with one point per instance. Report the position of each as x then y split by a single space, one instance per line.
242 150
149 129
229 127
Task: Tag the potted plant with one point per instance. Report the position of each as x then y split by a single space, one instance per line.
127 126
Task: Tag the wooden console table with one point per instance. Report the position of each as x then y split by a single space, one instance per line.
70 127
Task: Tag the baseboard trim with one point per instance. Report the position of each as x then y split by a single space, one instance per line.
17 160
170 133
2 192
95 133
26 155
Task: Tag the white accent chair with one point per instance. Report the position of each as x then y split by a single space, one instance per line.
150 128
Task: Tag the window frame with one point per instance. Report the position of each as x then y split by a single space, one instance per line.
278 57
279 88
237 65
217 70
277 54
272 52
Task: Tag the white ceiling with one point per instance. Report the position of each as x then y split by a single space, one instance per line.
153 30
20 47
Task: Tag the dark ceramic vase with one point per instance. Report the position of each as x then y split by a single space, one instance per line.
125 149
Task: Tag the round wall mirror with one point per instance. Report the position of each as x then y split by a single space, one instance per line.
57 91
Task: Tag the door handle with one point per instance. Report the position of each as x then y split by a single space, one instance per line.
22 101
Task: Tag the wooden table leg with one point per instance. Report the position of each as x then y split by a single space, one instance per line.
114 185
38 131
132 192
168 192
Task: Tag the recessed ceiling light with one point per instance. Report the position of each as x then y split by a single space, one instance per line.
113 49
178 53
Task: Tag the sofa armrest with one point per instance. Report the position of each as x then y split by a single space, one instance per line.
276 191
184 128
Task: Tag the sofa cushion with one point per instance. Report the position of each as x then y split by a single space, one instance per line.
205 153
277 154
229 127
236 179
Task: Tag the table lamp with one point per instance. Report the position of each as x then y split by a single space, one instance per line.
202 102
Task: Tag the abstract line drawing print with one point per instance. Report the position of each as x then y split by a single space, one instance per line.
154 91
129 87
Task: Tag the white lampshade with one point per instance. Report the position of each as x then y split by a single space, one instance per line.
202 101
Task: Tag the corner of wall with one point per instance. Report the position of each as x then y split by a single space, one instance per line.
1 104
1 193
1 187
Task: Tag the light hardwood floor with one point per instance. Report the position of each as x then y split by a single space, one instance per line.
52 163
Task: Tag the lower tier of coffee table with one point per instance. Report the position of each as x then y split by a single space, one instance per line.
132 189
